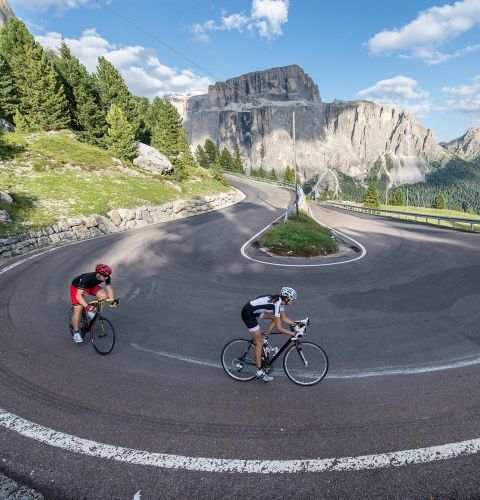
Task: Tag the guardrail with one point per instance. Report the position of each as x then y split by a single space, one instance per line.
464 224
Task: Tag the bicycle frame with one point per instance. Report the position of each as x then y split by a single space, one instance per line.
280 351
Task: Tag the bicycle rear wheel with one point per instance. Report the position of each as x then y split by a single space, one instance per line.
102 335
238 360
305 363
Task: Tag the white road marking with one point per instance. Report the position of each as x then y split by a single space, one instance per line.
138 495
362 248
345 374
140 457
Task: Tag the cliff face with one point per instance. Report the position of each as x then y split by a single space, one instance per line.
467 146
5 12
289 83
345 136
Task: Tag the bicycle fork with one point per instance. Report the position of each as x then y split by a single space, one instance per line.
302 357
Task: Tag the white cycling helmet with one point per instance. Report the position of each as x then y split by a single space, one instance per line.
289 293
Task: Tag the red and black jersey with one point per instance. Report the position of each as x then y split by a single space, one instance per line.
88 281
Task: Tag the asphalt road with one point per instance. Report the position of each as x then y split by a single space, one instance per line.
400 326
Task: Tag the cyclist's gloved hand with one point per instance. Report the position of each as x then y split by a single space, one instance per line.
292 326
114 303
299 331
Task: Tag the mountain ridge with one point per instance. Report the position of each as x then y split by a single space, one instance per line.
342 136
6 12
467 146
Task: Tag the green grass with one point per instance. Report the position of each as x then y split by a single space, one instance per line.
430 211
299 237
56 176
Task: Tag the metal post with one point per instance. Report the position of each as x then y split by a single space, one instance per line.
295 164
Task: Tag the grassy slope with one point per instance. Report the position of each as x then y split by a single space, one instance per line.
430 211
57 176
300 236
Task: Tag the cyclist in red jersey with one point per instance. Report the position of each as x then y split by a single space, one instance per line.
89 283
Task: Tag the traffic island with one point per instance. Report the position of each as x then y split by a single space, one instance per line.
299 236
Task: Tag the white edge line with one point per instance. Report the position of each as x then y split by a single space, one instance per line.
384 372
363 253
140 457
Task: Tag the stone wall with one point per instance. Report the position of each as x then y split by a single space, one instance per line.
121 219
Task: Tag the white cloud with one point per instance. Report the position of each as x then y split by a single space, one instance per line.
399 92
266 18
271 14
431 29
141 68
464 98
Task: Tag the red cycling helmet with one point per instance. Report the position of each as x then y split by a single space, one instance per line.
103 269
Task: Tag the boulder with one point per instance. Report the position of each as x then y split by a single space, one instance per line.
115 217
151 160
6 126
5 217
5 197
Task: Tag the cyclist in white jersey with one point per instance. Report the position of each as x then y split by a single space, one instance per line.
268 307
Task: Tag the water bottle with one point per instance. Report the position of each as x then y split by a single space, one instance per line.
90 313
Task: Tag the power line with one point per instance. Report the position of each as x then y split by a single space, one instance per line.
174 50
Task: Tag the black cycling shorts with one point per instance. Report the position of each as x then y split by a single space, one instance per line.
249 318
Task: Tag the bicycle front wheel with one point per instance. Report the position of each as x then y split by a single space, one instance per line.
238 360
102 335
305 363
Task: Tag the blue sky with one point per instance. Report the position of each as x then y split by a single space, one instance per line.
421 55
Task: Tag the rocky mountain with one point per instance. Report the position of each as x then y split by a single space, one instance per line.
6 12
254 111
467 146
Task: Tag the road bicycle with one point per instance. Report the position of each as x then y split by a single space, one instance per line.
102 333
304 363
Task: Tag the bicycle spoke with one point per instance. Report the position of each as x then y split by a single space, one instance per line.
305 363
102 335
238 360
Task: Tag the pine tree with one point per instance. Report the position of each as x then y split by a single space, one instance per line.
22 125
144 132
211 151
113 90
273 175
43 100
121 137
201 157
217 169
398 198
289 175
226 160
168 135
86 111
262 173
15 44
8 91
237 161
440 201
183 164
112 87
372 196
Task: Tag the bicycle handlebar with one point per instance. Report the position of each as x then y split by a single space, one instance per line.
113 302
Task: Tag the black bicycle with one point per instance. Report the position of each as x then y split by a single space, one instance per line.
304 363
102 333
